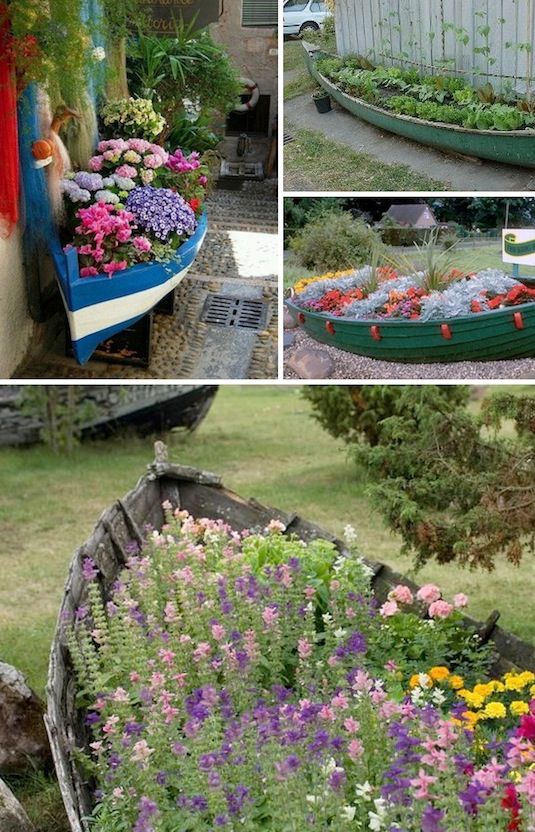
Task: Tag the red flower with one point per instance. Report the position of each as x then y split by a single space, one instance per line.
494 303
527 727
476 306
194 203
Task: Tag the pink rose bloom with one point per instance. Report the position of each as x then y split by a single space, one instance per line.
95 163
127 171
428 593
440 609
388 609
401 594
88 271
460 600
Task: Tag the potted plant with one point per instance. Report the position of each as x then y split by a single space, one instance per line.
322 100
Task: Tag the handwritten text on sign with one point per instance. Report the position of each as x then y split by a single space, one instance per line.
162 12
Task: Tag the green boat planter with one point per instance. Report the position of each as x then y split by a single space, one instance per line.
512 147
499 334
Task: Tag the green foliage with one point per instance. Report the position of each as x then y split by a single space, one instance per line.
436 98
63 412
452 490
335 241
185 75
355 413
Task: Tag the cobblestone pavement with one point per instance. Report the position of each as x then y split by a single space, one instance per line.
239 259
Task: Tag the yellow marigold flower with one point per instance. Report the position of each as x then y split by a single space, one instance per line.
414 681
483 690
495 710
532 690
306 281
518 681
518 707
472 699
439 673
456 682
470 719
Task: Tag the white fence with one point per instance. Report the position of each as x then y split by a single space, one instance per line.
483 40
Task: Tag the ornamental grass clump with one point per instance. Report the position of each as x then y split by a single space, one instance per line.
248 681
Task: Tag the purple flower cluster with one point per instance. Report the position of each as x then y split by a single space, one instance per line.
161 212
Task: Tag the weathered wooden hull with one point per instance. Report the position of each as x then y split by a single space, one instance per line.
511 147
202 494
99 307
486 336
145 408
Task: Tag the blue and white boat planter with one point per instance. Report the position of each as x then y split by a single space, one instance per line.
99 307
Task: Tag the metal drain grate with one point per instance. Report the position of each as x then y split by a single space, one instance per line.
220 310
287 138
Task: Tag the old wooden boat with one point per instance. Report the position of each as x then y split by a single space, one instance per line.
202 494
99 307
511 147
498 334
144 408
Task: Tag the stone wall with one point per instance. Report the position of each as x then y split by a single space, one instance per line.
250 48
16 325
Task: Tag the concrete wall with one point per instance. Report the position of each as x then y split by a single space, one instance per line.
249 48
16 325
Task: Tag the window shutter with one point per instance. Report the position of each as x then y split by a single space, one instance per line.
259 13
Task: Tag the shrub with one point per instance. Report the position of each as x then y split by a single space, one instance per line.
335 241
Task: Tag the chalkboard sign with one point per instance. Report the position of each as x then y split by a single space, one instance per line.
160 13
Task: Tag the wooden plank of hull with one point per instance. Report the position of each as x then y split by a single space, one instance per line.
485 336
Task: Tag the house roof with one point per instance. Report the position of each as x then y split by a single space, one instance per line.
416 215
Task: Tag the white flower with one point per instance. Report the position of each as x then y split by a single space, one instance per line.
364 790
350 535
348 812
98 53
438 697
339 633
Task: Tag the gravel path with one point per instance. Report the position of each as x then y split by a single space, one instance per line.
350 366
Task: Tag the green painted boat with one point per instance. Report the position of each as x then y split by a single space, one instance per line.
512 147
486 336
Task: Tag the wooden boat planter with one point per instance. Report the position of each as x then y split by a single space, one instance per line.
202 494
511 147
498 334
99 307
143 408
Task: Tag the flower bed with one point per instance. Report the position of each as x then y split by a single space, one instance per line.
383 294
251 681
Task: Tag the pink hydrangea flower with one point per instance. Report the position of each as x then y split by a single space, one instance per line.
96 162
127 171
428 593
440 609
401 594
388 609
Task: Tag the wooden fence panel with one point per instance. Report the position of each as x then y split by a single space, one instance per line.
483 40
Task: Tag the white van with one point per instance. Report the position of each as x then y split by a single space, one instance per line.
300 15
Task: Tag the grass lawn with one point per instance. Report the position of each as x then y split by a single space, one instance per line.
263 442
314 163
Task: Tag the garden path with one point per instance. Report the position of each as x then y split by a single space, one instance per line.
464 175
238 260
